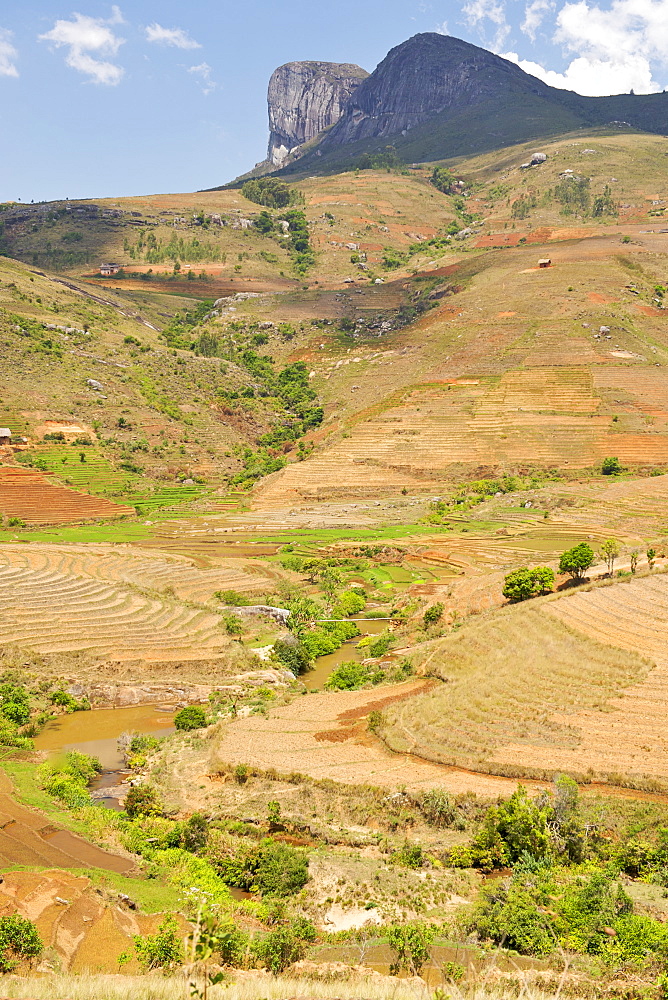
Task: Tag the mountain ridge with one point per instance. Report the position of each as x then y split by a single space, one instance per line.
434 97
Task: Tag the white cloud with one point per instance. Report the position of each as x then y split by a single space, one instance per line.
84 35
476 12
8 54
442 28
203 71
615 49
534 14
171 36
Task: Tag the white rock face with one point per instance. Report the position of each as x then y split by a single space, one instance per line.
304 98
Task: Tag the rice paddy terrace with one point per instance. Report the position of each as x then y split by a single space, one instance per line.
30 497
117 603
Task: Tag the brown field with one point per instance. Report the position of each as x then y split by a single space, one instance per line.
28 838
31 497
114 604
587 697
84 928
325 736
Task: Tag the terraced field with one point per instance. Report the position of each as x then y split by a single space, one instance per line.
32 498
123 565
85 929
550 417
596 699
94 601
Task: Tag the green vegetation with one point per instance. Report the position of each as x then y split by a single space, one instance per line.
576 561
162 950
271 192
351 675
524 583
190 717
611 466
19 941
270 868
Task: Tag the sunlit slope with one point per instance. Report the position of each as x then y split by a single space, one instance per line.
605 720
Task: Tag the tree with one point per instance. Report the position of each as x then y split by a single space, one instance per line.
19 939
633 556
411 944
142 800
191 717
609 552
524 583
651 556
611 466
576 561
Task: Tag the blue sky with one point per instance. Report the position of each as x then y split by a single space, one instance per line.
99 99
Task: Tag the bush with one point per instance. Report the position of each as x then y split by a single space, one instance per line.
284 946
349 603
432 614
611 467
19 939
438 808
524 583
293 655
576 561
190 717
194 834
232 597
411 944
270 868
162 950
351 675
142 800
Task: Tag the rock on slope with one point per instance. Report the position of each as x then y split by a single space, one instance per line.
304 98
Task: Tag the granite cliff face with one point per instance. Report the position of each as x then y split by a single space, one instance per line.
423 77
304 98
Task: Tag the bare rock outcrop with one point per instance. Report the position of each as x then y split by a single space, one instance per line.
304 98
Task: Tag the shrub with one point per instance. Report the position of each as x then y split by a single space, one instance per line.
19 939
293 655
190 717
411 944
285 945
524 583
232 597
437 807
270 868
351 675
611 467
349 603
194 834
142 800
433 614
162 950
576 561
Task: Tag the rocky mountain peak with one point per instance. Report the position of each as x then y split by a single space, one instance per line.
304 98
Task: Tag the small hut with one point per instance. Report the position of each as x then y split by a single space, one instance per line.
545 262
5 435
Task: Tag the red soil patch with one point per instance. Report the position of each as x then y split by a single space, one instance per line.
599 299
31 497
505 315
650 311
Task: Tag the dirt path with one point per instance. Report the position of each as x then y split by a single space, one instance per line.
325 736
